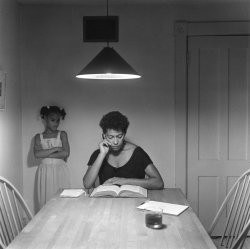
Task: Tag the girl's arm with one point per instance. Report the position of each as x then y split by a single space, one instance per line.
65 149
153 180
39 152
92 172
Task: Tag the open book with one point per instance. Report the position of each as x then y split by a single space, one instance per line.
167 208
116 191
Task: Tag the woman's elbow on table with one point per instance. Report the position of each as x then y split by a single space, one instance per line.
157 184
155 177
160 184
86 184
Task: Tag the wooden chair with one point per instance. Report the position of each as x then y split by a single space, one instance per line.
236 206
14 212
2 246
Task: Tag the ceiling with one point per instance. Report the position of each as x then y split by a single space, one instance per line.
94 2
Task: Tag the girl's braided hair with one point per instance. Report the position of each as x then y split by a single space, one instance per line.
46 110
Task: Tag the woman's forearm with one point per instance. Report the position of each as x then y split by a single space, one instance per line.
148 183
92 171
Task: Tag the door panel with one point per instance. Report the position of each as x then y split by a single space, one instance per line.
218 119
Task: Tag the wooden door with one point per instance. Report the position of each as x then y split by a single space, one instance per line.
218 119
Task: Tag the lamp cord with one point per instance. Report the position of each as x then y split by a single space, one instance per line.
107 16
107 7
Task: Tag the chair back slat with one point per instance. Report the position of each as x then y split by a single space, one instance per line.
12 215
228 224
238 214
239 242
14 212
2 246
18 211
248 214
6 215
3 232
245 208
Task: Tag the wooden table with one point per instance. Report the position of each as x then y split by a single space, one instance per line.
111 223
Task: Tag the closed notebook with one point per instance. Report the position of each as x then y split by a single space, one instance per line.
72 192
119 191
167 208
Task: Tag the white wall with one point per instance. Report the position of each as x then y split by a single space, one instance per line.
52 54
10 118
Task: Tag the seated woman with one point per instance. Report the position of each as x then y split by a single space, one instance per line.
118 161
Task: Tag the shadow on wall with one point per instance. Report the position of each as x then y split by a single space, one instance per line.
32 161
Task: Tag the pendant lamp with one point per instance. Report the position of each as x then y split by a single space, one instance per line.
107 65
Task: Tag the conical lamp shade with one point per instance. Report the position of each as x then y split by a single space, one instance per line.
108 64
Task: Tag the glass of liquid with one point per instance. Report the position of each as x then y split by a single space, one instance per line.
153 218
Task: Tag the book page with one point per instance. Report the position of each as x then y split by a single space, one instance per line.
72 192
103 190
132 188
168 208
135 189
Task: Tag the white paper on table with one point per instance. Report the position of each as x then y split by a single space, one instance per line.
167 208
72 192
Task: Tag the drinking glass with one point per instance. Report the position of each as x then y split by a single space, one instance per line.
153 218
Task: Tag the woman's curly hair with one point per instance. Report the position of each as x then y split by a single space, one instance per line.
46 110
114 120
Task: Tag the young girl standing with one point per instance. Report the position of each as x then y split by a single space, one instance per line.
52 147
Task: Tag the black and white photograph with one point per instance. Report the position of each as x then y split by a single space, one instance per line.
125 124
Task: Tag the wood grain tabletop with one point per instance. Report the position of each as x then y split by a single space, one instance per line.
111 223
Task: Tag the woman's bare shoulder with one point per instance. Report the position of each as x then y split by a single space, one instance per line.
130 146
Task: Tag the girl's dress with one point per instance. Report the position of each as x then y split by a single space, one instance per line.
53 173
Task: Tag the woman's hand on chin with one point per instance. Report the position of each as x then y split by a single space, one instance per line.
104 147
